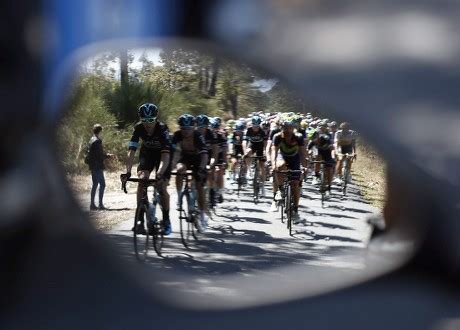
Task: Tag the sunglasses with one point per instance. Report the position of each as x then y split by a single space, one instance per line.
148 120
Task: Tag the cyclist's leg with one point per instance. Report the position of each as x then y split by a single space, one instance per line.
339 165
220 181
181 167
294 164
246 160
261 164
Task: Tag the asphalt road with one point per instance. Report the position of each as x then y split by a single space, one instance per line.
245 240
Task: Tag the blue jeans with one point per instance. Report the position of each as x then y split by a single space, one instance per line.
98 179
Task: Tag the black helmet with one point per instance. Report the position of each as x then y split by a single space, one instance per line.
148 112
186 121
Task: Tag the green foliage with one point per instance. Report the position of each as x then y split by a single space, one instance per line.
87 108
187 82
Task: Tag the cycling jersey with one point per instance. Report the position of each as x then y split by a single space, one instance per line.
152 146
158 141
345 138
255 139
237 138
191 158
274 132
288 148
303 132
222 144
324 145
199 143
210 139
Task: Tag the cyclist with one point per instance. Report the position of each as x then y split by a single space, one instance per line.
154 154
237 143
221 157
190 153
323 143
288 152
210 138
255 141
345 142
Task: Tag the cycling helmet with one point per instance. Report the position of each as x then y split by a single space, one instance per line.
288 121
186 121
215 122
148 112
303 124
239 127
202 121
344 125
324 141
219 120
256 121
333 124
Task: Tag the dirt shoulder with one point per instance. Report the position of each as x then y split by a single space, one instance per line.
369 173
120 206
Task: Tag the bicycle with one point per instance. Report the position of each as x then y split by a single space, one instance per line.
256 182
188 213
287 204
323 184
146 213
239 170
346 167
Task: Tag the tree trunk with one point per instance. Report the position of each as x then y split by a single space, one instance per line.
200 80
234 104
206 79
124 68
215 72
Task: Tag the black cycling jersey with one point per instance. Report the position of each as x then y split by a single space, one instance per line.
158 141
199 143
303 132
323 141
255 138
273 132
210 138
291 147
221 141
237 138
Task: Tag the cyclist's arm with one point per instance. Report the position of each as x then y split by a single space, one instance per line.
133 144
214 154
203 159
164 162
274 155
130 160
303 155
268 149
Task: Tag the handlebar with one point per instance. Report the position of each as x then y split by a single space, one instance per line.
147 182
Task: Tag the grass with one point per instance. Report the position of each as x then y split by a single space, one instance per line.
369 173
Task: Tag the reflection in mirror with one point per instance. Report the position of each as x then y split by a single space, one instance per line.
240 212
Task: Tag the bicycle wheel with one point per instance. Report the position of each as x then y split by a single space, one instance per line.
291 211
255 186
322 187
346 173
282 205
287 201
141 244
240 179
186 227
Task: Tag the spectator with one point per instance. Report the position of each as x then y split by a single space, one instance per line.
96 157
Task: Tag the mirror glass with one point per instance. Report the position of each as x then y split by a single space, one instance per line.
225 218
